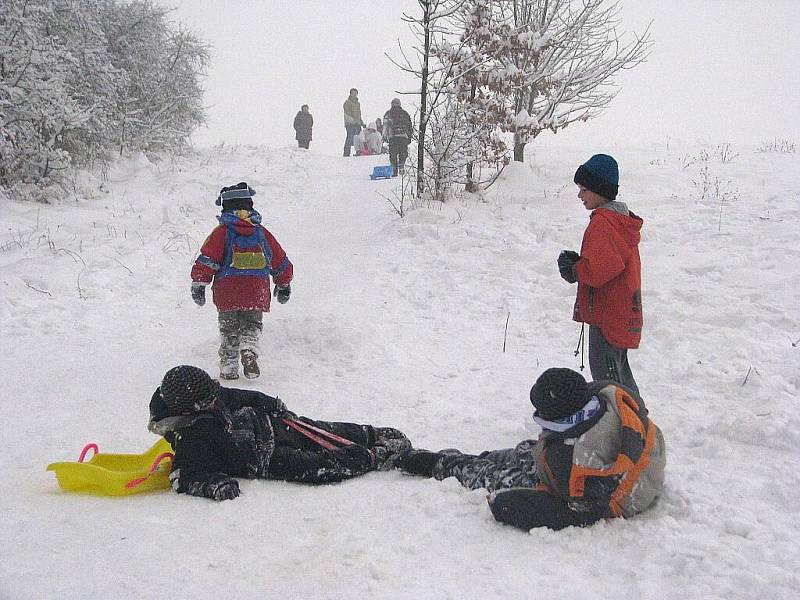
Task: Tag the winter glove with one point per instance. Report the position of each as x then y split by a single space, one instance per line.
198 293
354 457
282 293
566 265
221 487
419 462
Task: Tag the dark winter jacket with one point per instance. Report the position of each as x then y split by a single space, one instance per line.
610 465
303 122
241 274
244 435
609 276
397 124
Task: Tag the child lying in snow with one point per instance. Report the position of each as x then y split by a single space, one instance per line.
598 456
221 433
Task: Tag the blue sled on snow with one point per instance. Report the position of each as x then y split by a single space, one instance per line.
381 172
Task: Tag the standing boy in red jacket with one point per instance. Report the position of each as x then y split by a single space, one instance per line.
608 272
239 257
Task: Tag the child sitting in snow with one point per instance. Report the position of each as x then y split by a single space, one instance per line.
369 141
598 456
239 257
221 433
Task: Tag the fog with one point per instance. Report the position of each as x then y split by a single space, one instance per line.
719 71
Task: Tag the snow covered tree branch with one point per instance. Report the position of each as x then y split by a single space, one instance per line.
80 77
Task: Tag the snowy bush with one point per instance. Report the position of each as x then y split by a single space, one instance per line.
780 145
82 78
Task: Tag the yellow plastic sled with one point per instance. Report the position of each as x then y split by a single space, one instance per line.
116 474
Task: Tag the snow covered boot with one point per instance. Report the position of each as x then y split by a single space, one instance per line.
250 364
228 371
419 462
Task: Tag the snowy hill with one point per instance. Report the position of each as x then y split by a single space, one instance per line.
401 323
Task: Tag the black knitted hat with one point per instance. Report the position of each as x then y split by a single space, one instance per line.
235 197
186 389
558 393
600 174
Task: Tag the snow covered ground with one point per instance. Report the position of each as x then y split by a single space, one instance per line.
401 323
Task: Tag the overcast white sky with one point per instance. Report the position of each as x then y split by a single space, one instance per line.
720 70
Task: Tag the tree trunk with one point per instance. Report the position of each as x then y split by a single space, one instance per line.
519 152
423 103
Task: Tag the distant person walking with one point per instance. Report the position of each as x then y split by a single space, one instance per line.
608 272
303 123
352 119
397 130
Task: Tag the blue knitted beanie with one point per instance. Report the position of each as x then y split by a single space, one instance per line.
599 174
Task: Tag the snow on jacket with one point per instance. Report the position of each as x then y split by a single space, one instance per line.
609 275
220 260
244 435
610 465
397 123
303 123
352 112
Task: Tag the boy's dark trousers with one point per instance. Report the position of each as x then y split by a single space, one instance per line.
607 361
238 330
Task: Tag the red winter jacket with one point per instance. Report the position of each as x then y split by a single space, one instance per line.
609 277
240 292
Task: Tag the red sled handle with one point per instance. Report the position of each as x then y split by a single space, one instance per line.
318 435
156 463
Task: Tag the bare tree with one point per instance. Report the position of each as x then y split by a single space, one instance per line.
431 31
567 54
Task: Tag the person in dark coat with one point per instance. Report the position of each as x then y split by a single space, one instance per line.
219 434
303 123
397 129
598 456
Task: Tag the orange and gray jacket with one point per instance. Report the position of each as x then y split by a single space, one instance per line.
610 465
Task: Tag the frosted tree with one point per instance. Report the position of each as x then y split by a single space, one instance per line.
162 100
430 28
563 57
35 111
79 77
479 84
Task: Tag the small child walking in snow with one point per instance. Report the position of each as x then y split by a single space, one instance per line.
239 257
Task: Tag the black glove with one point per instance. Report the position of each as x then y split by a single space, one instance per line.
354 457
566 265
282 293
222 487
198 293
419 462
